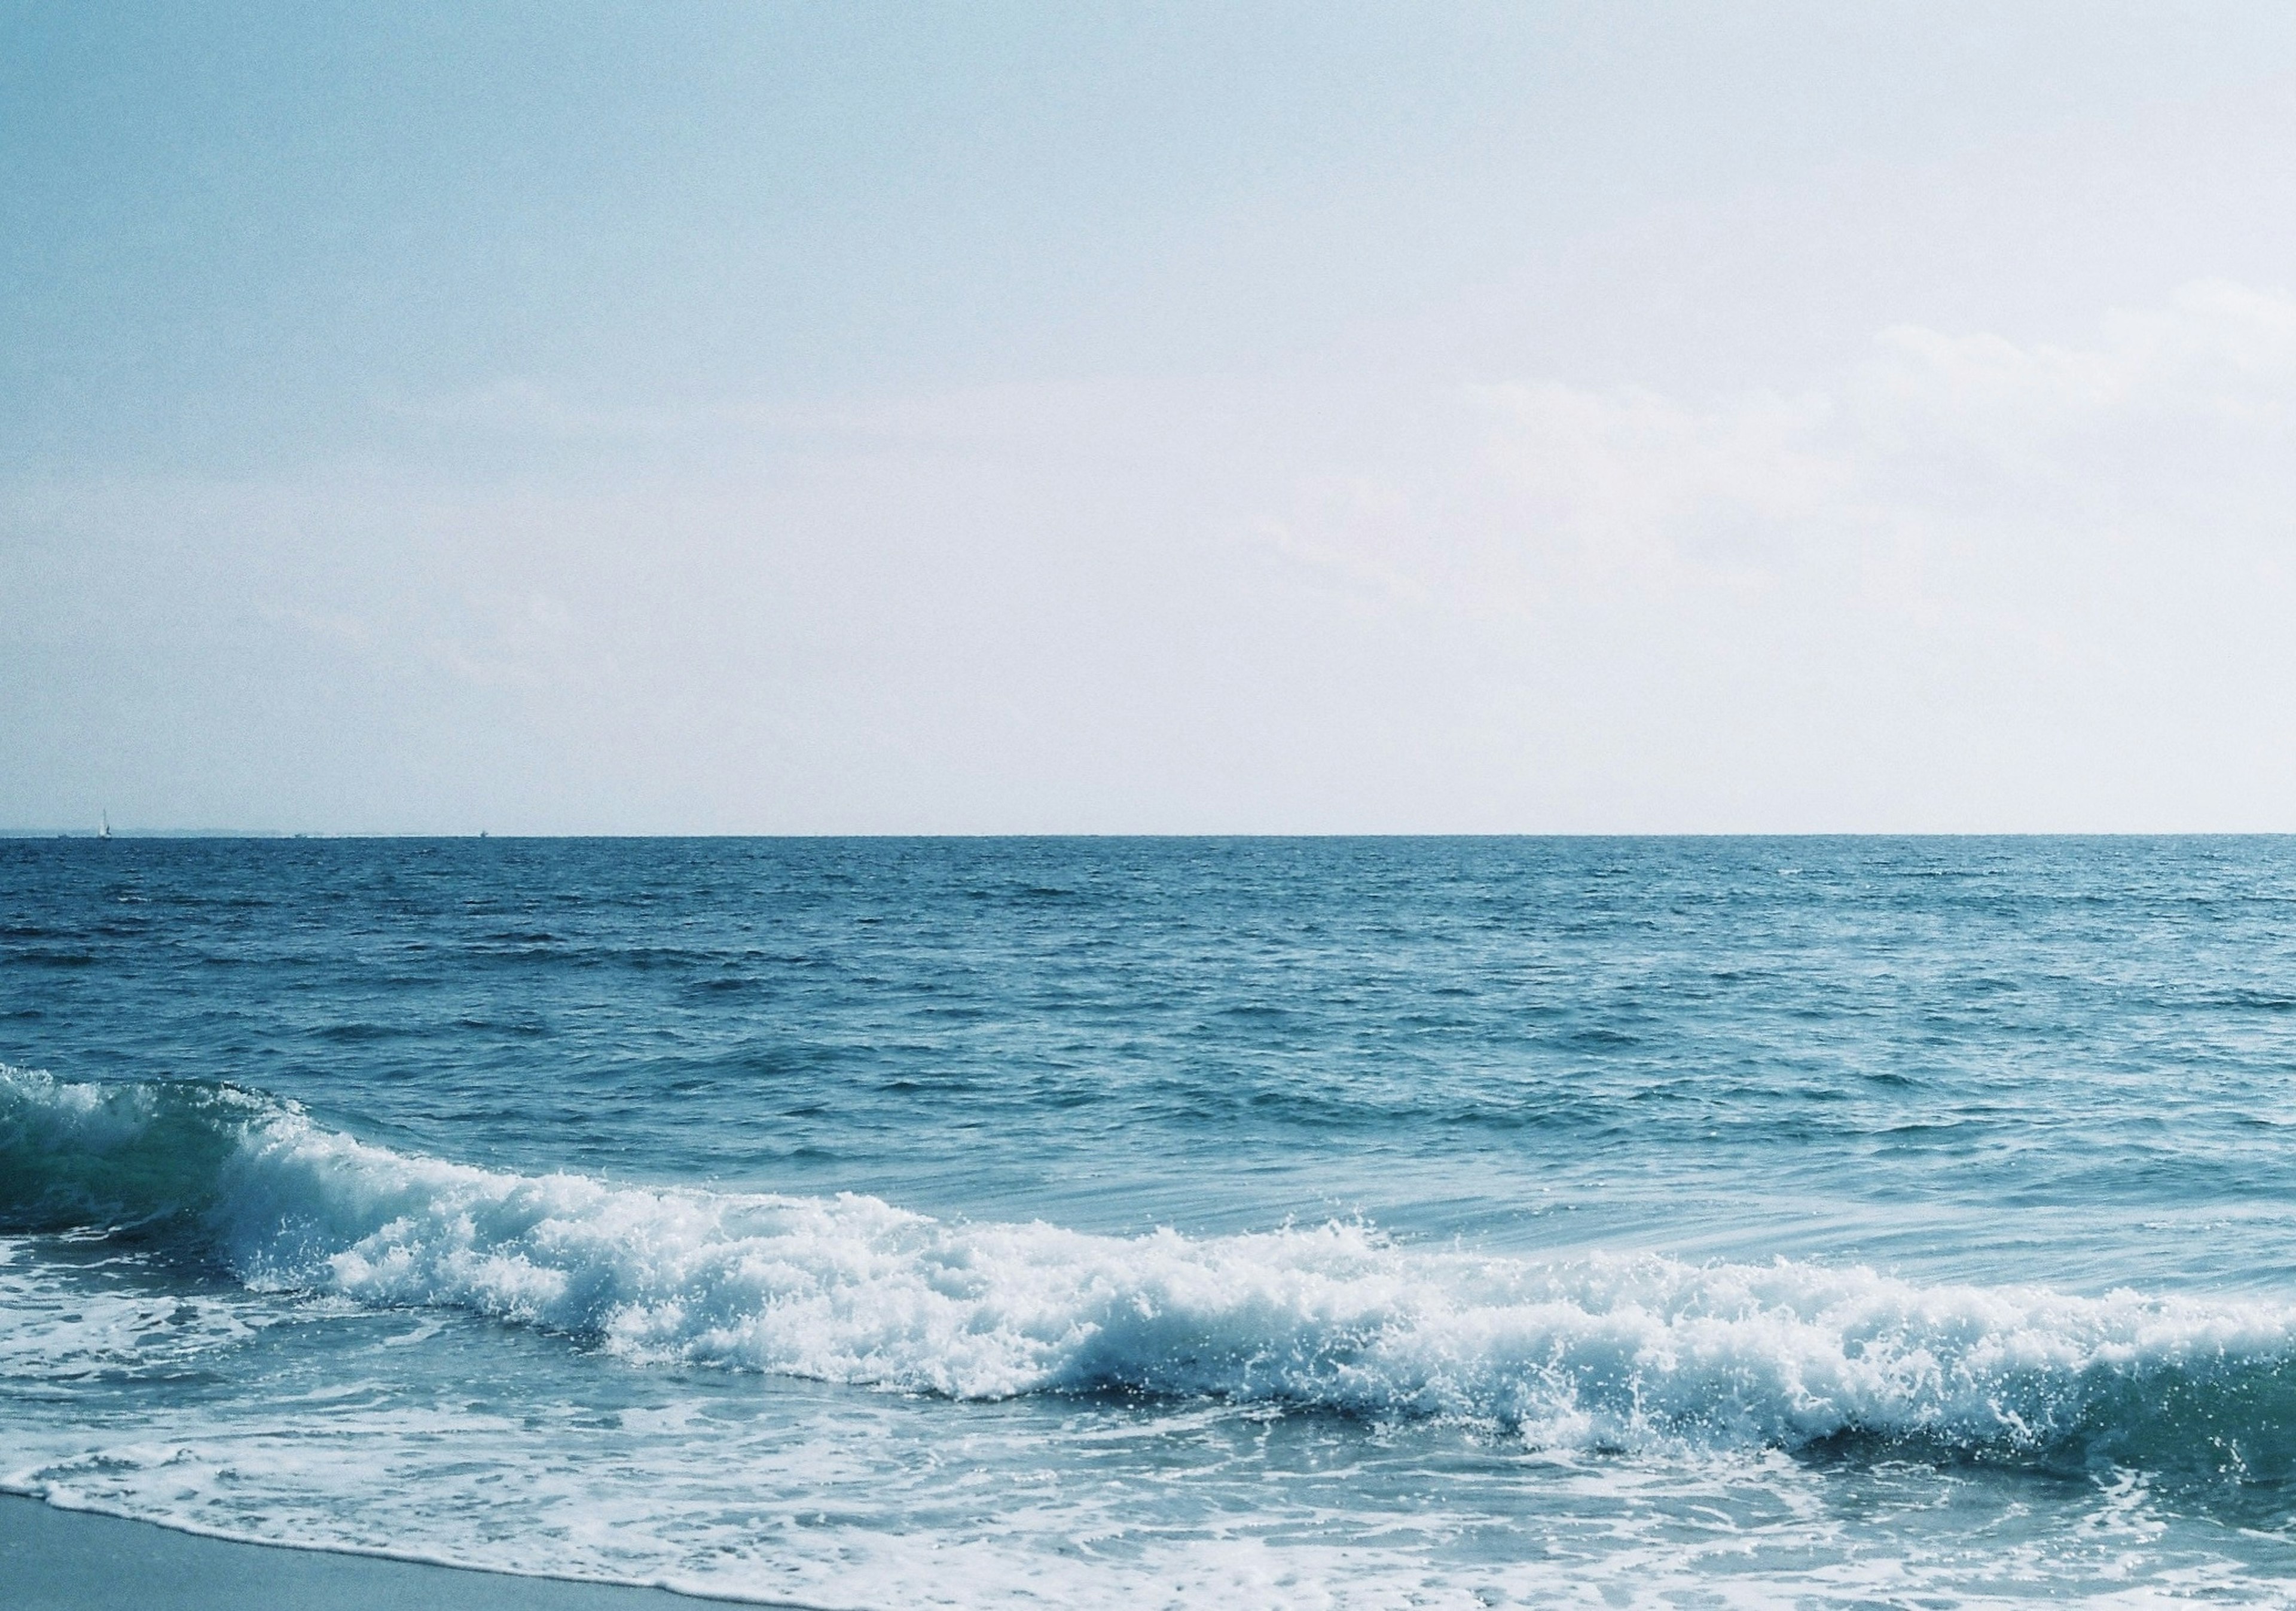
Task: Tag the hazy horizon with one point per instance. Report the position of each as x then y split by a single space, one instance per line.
266 835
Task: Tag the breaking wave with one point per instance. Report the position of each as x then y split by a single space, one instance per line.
1606 1353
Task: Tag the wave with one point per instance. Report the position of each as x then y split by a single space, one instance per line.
1598 1353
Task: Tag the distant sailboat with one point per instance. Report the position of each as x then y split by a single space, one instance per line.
104 832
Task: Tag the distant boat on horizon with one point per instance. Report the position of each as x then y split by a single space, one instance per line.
104 832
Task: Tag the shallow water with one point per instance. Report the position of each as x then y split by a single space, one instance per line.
1315 1223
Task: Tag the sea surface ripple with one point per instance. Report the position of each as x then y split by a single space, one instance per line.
1285 1221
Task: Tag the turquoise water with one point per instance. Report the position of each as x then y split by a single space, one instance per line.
1082 1223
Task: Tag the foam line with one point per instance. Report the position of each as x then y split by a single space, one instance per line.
849 1288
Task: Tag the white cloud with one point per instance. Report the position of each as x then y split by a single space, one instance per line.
1966 582
2174 427
1972 581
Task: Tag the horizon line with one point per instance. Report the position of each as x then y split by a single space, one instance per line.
267 835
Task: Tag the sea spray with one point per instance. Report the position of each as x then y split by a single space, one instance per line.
1629 1351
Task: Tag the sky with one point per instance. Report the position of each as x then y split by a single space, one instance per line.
1232 418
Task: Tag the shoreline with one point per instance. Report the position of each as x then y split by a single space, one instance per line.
55 1559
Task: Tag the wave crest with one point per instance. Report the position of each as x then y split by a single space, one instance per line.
1598 1353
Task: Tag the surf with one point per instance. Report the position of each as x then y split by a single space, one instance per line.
1592 1354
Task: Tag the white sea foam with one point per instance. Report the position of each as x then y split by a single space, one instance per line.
851 1289
100 1323
1702 1372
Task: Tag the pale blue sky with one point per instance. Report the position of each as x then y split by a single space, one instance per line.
810 418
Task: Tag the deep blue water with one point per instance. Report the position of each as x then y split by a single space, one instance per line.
1310 1222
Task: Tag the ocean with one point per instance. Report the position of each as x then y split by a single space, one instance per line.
1098 1223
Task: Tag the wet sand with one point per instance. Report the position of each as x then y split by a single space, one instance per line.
68 1560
